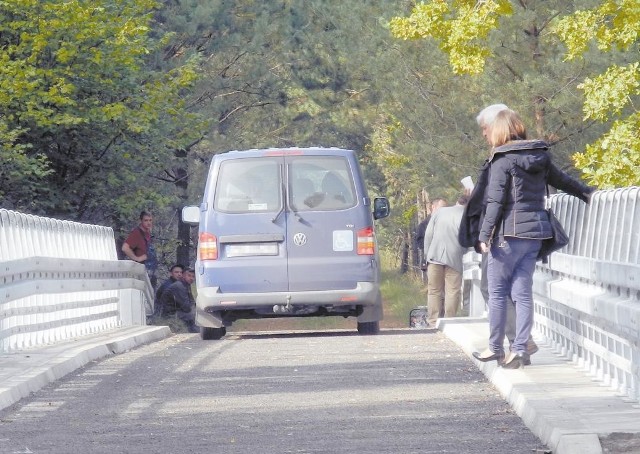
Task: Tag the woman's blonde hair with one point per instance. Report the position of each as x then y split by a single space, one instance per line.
506 127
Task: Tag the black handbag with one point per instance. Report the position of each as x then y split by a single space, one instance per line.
559 239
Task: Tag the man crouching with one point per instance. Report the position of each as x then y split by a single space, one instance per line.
177 300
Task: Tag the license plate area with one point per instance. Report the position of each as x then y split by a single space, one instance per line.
251 250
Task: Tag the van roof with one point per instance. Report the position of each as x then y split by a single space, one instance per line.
289 151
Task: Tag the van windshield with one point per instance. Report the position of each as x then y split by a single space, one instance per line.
318 183
249 185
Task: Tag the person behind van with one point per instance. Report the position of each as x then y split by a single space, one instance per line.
175 274
177 300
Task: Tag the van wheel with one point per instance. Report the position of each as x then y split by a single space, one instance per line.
212 333
369 328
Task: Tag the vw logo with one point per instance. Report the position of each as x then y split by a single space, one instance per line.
299 239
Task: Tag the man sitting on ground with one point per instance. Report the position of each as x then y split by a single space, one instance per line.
177 300
175 273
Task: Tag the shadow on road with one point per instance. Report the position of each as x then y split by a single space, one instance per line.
324 333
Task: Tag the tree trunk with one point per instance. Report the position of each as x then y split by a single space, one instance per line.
404 262
184 237
184 230
539 102
415 251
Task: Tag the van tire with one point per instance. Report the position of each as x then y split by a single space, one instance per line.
212 333
368 328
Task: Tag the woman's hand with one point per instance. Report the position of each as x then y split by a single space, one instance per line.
483 247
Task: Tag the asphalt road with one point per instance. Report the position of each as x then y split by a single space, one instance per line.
399 392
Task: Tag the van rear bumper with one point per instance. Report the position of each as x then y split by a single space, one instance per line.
211 303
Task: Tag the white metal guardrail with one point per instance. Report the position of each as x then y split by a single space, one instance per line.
587 298
61 279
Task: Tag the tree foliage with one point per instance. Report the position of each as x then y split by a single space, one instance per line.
469 32
297 73
614 159
111 106
84 122
460 26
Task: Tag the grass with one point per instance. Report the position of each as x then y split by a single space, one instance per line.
400 294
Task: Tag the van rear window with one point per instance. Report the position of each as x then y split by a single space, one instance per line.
249 185
320 183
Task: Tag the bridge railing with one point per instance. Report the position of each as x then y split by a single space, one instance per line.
587 298
61 279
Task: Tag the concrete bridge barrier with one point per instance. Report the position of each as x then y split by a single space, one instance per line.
60 280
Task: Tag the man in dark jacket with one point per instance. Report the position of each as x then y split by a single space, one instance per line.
474 210
175 273
177 300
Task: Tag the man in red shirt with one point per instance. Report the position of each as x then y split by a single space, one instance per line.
139 246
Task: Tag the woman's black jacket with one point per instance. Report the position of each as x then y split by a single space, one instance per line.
508 199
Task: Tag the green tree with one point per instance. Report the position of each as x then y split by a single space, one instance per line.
472 33
614 159
81 112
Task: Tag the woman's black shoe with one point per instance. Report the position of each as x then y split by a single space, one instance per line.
488 355
516 360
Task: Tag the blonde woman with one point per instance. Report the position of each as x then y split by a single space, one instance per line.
514 225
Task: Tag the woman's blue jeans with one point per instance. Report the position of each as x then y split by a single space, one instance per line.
512 262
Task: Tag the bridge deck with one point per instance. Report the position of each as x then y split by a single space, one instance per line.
568 410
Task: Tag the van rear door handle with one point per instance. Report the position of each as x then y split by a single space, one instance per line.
284 195
254 238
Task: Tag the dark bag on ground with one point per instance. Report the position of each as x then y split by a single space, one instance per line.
418 317
559 240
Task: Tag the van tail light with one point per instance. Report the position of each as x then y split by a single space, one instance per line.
208 246
366 241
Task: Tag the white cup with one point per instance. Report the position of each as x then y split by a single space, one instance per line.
467 182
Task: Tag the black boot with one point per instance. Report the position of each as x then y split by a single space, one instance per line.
516 360
488 355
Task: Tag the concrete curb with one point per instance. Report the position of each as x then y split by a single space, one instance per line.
27 371
563 433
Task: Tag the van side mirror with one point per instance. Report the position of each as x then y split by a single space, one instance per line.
381 208
191 214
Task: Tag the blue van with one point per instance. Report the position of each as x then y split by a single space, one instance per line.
286 233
